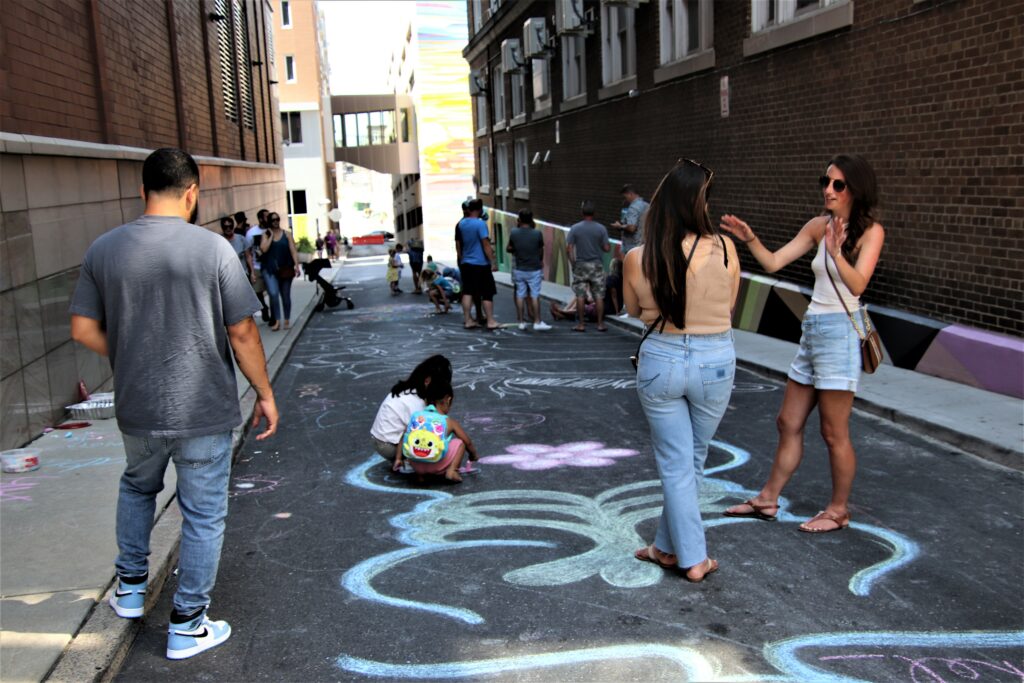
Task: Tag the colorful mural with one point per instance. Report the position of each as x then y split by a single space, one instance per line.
444 119
774 307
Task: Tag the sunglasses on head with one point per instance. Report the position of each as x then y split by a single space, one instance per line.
708 173
837 184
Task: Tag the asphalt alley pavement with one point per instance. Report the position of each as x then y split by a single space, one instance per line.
336 569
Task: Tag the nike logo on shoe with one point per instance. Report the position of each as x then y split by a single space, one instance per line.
121 594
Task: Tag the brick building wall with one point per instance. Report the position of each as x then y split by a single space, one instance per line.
77 117
930 92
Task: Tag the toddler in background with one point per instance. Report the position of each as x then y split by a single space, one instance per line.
405 398
435 443
394 273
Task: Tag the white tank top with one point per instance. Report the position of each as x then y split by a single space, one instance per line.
824 299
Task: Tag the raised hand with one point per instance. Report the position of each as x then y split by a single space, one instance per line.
835 235
737 228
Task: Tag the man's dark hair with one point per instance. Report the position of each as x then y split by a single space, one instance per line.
526 217
260 215
587 208
227 220
240 217
169 169
475 205
628 187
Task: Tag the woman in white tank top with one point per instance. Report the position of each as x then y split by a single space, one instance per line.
826 369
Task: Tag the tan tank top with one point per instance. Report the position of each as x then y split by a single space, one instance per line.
711 289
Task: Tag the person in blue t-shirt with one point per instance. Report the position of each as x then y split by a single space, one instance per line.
477 265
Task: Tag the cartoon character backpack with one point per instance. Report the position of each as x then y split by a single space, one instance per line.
424 438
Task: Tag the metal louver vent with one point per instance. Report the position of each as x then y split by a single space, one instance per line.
225 55
244 60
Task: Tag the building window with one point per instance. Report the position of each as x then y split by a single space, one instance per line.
289 68
362 129
518 94
541 83
481 114
501 157
774 23
235 61
291 127
337 122
522 163
351 136
682 28
405 124
296 202
498 87
484 155
477 7
286 14
574 66
618 43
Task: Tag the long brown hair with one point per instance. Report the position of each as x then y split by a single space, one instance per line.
679 208
862 184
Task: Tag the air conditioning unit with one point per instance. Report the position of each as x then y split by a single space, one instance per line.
535 37
511 56
477 84
569 16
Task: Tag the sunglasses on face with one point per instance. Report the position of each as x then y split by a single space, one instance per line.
275 219
837 184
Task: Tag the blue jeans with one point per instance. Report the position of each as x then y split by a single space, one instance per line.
279 287
203 465
684 382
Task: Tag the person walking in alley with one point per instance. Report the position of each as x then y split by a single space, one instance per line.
279 269
236 240
585 244
255 260
848 242
167 302
631 223
526 244
682 283
415 249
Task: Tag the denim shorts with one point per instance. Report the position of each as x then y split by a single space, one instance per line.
527 282
829 355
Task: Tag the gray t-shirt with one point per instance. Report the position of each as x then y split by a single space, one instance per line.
165 291
589 238
528 246
634 214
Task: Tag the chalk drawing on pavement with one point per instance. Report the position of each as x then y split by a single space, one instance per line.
253 483
13 490
536 456
501 421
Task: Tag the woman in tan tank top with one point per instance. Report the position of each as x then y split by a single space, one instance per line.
683 282
827 366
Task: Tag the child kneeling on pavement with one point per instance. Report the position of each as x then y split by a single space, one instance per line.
440 289
434 443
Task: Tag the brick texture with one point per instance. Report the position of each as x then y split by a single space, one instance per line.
48 76
931 93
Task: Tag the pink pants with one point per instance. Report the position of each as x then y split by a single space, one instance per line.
441 465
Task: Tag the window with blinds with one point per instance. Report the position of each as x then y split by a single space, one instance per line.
235 61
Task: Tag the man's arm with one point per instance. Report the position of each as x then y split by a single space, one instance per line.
89 333
245 341
489 252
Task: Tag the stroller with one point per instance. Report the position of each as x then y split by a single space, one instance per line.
329 296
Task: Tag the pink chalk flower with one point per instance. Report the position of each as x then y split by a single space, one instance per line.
537 456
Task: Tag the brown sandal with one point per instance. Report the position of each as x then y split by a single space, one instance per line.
648 554
712 567
756 511
841 522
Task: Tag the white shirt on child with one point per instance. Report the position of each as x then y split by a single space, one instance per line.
393 416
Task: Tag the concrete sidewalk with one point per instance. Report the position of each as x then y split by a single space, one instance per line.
980 422
57 543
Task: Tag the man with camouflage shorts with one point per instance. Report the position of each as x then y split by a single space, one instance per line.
585 244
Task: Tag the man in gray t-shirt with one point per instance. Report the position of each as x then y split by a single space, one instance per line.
586 244
631 223
526 243
168 302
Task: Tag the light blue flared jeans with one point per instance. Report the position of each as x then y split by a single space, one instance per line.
684 382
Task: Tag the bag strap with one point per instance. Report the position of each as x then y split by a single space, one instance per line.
861 335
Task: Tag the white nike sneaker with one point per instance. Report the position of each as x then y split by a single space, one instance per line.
540 326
